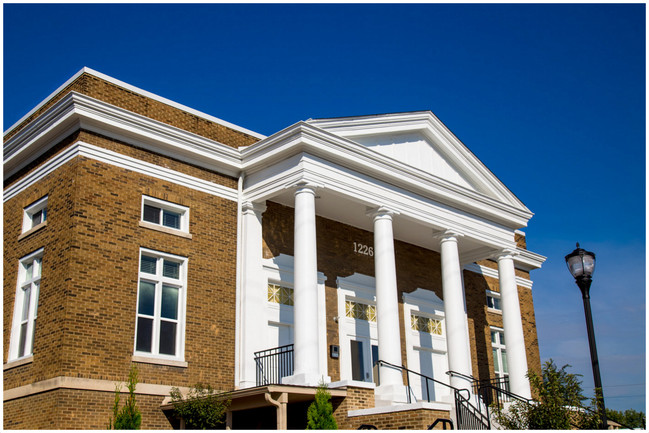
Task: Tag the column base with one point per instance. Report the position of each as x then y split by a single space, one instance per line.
247 384
305 379
386 395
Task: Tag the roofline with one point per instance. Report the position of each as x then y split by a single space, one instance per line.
137 90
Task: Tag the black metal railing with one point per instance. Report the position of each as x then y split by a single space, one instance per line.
273 364
468 416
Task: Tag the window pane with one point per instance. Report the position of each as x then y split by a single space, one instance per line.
504 355
37 218
37 268
148 265
170 219
171 269
27 292
497 303
29 271
493 337
22 342
496 361
144 333
151 214
169 302
146 298
502 338
167 338
490 302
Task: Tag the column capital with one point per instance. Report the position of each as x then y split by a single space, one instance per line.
505 253
256 208
448 235
304 185
381 212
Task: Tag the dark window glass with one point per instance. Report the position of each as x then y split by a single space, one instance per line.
169 302
167 338
151 214
146 298
148 265
23 340
171 219
171 269
144 333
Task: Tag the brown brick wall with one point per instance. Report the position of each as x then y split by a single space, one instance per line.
71 409
100 89
416 268
89 283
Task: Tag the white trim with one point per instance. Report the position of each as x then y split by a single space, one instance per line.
158 361
183 211
400 408
84 385
90 151
493 273
30 210
141 92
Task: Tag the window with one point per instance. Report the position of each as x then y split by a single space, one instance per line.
160 324
493 301
426 324
499 352
26 305
35 214
280 295
357 310
165 214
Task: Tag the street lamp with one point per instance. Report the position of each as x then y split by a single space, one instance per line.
581 264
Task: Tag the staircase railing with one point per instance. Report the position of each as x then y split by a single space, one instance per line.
467 415
273 364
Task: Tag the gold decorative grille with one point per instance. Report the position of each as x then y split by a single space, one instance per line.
280 295
426 324
356 310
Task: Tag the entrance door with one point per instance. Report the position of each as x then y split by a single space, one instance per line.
363 358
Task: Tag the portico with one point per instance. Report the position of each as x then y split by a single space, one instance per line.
329 169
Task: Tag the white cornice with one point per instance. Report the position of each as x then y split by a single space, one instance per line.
140 92
77 109
117 159
303 137
431 126
493 273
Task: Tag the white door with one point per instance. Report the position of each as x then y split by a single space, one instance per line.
363 355
431 364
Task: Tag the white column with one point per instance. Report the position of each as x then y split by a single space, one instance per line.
305 310
391 387
253 292
457 330
513 325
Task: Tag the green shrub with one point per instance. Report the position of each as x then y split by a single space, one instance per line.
129 417
202 408
320 412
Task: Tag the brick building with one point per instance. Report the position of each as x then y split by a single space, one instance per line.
138 230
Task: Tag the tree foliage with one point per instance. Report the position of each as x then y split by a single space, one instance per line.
202 409
129 417
628 418
320 413
558 404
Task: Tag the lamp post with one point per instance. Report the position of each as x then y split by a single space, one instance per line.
581 264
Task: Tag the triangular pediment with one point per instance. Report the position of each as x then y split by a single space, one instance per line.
421 141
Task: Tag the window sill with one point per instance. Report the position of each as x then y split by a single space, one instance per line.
33 230
164 229
18 362
159 361
493 310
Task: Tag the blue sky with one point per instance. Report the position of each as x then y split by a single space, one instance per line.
550 97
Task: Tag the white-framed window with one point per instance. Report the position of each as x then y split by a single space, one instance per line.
493 301
26 306
35 214
165 214
161 300
499 351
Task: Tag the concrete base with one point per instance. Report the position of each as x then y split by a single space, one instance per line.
305 379
388 395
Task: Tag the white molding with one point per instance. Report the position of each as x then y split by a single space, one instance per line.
138 91
81 111
63 382
493 273
117 159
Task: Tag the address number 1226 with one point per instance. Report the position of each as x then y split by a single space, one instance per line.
363 249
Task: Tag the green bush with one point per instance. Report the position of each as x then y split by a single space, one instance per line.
129 417
320 412
202 408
